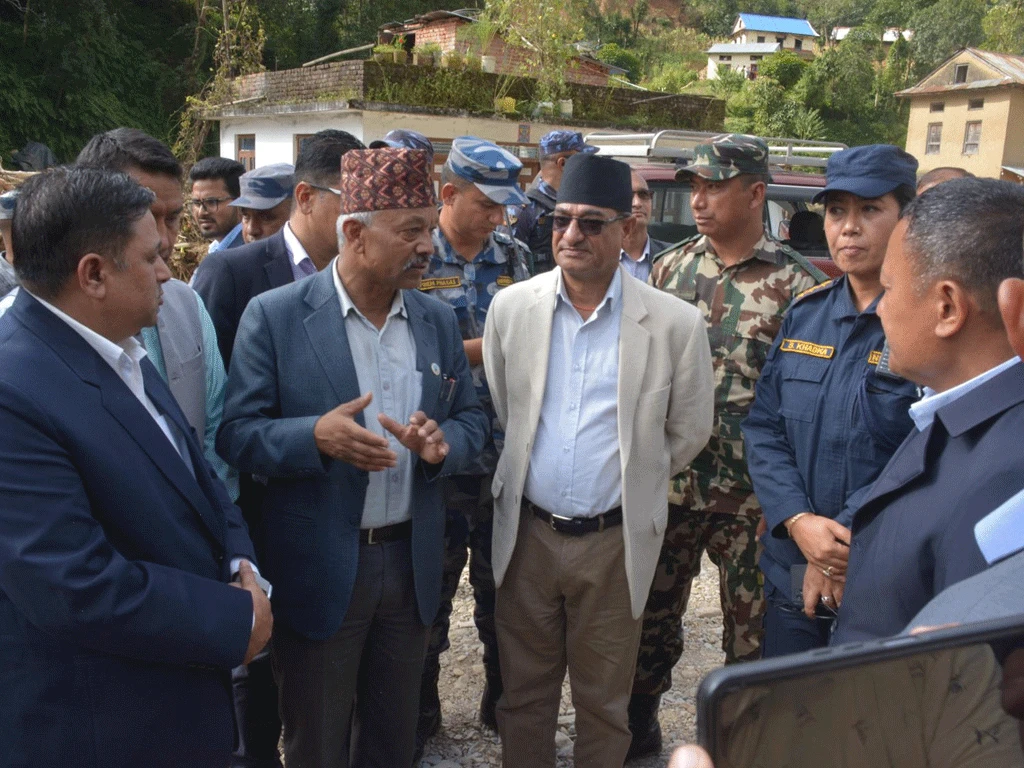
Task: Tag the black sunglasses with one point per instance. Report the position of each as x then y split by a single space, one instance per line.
588 226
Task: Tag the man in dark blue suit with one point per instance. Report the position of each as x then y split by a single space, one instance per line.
351 393
228 279
118 624
913 534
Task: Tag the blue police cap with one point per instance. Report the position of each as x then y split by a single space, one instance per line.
556 142
7 201
869 171
265 187
401 138
494 171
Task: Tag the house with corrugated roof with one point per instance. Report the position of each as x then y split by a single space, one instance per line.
791 34
969 113
739 57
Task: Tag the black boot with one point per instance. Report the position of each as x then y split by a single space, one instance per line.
644 725
489 701
429 722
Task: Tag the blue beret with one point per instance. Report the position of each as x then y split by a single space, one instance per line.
869 171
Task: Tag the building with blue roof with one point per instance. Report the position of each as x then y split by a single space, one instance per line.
791 34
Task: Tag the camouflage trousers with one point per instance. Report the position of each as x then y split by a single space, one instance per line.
469 512
728 533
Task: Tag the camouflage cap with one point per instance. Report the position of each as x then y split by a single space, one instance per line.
494 171
727 156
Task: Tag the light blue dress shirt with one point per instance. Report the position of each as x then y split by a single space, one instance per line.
216 379
638 268
923 411
385 363
575 468
1001 533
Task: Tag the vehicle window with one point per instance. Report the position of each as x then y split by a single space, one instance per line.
778 213
671 217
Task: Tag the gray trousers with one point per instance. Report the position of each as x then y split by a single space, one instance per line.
353 699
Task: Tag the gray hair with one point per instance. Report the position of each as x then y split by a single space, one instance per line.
363 217
968 230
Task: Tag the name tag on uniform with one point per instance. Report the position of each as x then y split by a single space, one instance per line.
808 348
440 282
875 357
503 280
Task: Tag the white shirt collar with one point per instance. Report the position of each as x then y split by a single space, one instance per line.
295 250
110 351
347 305
646 255
923 411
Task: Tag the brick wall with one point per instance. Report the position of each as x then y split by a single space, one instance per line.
355 79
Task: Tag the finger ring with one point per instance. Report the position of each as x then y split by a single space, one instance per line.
826 599
828 571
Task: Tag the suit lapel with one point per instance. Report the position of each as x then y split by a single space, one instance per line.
158 393
279 268
325 329
634 345
905 466
533 337
428 352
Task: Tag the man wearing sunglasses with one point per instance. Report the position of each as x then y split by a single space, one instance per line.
639 248
604 389
742 281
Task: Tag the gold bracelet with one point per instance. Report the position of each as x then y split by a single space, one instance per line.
789 523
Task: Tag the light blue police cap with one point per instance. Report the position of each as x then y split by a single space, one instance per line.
494 171
265 187
7 201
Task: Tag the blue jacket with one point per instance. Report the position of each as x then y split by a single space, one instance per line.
824 420
117 626
913 536
292 365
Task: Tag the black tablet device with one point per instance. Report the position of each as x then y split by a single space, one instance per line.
932 700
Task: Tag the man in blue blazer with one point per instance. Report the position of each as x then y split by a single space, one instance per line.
351 393
118 625
913 534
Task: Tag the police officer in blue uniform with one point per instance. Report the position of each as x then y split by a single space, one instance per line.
533 226
403 138
471 263
828 413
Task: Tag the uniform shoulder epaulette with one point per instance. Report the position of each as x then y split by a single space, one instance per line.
813 289
675 246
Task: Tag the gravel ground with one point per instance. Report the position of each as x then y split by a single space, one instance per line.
463 742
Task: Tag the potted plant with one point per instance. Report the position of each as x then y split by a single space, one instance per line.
452 60
473 62
398 52
426 55
382 54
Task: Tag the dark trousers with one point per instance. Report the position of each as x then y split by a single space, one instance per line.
351 700
787 629
469 515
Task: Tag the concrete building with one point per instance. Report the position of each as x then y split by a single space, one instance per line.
740 57
969 113
791 34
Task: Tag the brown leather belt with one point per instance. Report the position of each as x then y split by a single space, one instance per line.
396 532
576 526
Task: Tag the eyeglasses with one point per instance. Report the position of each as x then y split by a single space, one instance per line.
590 227
332 190
210 204
643 194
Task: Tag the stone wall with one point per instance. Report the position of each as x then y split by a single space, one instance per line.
366 80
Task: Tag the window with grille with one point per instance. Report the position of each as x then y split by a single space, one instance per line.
934 139
972 138
937 106
245 150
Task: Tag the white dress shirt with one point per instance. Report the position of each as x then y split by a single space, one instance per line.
385 363
302 265
923 411
1001 532
574 465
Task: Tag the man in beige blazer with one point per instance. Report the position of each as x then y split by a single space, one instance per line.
604 387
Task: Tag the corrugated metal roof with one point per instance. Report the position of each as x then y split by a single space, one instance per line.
781 24
1009 66
740 48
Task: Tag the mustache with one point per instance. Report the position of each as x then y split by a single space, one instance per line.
415 262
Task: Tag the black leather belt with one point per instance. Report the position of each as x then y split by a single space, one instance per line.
576 526
396 532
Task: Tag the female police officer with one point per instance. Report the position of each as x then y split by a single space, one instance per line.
828 413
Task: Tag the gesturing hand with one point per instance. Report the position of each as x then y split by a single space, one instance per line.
339 436
264 619
421 435
824 542
818 586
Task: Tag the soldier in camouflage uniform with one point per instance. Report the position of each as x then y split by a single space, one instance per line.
743 282
471 263
533 225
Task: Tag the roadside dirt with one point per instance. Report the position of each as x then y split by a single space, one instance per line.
463 742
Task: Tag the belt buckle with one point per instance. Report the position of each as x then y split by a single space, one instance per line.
560 519
369 535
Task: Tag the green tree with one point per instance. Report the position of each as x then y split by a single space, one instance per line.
617 56
942 29
1003 26
785 67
